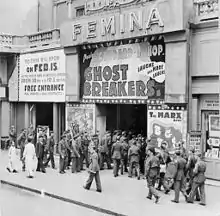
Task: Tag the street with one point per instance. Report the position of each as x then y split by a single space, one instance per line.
14 201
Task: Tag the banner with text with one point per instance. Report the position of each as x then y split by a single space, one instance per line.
131 71
42 77
167 125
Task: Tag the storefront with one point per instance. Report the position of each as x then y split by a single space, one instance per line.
131 56
210 127
41 90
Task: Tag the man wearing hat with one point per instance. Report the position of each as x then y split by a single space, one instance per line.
103 150
62 149
75 154
93 169
152 168
198 180
117 151
179 178
40 154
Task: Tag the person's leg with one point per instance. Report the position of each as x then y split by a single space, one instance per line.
98 182
89 181
74 167
202 194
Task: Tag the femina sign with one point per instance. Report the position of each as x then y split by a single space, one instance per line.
118 24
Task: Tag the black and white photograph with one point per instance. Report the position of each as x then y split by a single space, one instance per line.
109 107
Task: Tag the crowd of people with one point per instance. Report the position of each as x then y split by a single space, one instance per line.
129 153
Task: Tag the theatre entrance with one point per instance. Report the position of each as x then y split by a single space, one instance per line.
44 114
125 117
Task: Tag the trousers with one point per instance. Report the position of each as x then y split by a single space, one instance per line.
97 181
179 186
151 186
195 187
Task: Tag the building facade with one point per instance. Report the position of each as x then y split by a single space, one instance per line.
205 82
131 58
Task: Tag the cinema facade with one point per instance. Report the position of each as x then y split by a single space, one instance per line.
131 60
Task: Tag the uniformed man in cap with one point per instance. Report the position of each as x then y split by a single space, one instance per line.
124 165
85 150
40 152
198 180
152 168
103 151
62 149
179 178
134 158
50 149
117 151
75 154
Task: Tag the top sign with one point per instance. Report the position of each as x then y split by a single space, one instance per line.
150 18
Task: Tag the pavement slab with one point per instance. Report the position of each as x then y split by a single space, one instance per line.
121 195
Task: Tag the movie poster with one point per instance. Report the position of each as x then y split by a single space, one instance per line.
80 118
167 125
132 71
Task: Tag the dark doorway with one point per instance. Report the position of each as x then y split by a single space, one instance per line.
44 114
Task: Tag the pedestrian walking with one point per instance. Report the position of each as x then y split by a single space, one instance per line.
75 154
62 149
12 156
50 149
179 179
30 158
152 168
85 150
117 150
93 170
198 180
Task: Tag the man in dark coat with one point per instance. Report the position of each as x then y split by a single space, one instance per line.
40 154
179 179
62 149
85 149
117 150
198 180
152 168
50 149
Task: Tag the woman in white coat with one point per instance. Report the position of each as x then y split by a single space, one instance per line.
30 158
13 159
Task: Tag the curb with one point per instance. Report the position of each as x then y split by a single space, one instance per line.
94 208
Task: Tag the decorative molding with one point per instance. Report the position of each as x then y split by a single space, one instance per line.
93 6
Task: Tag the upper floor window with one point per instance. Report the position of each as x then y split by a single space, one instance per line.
80 11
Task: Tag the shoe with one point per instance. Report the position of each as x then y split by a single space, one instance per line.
138 178
85 188
15 171
100 191
148 197
167 191
8 169
62 172
129 176
174 201
202 204
43 171
188 201
186 197
31 176
198 200
157 199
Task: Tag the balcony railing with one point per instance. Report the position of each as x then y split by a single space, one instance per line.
6 40
206 10
44 38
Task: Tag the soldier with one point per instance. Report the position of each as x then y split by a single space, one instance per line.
124 166
68 142
79 149
40 154
134 157
164 158
116 155
93 170
21 144
85 150
133 139
62 149
198 180
12 136
124 135
179 178
152 168
50 149
75 154
103 151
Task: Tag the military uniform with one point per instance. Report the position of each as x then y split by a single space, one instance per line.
21 143
179 179
75 156
125 148
79 149
152 168
50 148
62 149
134 158
198 182
85 151
103 150
93 172
40 156
116 156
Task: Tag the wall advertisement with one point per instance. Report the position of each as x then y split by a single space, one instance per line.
80 118
167 125
42 77
132 71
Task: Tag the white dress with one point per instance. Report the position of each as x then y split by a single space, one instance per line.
13 160
30 158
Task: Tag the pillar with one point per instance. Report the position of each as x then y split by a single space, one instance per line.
56 122
118 116
195 112
26 115
5 118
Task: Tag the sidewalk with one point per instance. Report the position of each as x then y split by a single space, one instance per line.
120 196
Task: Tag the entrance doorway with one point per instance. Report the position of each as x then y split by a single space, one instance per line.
127 117
44 114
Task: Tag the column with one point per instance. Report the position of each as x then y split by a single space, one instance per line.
118 116
26 115
55 122
5 118
195 113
